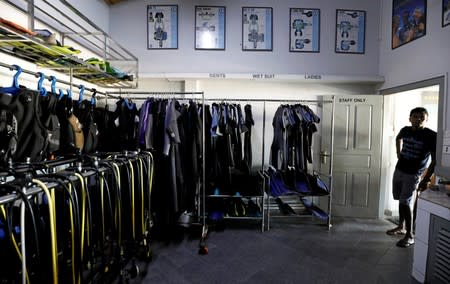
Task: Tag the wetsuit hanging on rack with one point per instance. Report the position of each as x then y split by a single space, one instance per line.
248 123
126 118
292 142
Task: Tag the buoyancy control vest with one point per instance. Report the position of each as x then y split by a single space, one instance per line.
24 135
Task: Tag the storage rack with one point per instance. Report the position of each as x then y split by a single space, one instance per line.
266 179
28 170
70 25
265 218
143 95
300 210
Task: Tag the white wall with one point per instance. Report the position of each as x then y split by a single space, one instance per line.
233 60
424 58
128 26
241 89
96 10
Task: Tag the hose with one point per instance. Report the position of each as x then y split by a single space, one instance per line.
52 229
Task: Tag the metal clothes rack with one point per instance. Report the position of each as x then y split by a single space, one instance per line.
48 165
330 169
176 95
145 94
30 188
261 100
51 165
264 101
35 190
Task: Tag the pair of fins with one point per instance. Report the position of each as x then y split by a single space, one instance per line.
309 205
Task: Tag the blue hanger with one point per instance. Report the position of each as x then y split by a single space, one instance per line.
80 97
53 80
14 89
93 100
42 90
129 105
69 93
61 94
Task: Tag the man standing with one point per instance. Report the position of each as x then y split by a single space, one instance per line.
415 145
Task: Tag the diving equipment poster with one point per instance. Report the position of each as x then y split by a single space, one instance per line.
304 29
350 31
162 27
209 27
257 28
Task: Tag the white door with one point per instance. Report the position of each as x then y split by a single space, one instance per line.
356 154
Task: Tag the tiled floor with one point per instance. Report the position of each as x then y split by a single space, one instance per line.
354 251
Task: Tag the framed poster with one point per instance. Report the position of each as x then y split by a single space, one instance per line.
209 27
304 30
445 13
257 29
162 27
408 21
350 31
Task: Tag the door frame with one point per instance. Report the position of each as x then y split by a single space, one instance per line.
440 81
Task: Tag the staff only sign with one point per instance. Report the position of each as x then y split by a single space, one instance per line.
352 100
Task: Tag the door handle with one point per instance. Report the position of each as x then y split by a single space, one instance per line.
323 156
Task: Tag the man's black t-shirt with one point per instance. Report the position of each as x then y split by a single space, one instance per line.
417 146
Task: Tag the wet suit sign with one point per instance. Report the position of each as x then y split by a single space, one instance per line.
352 100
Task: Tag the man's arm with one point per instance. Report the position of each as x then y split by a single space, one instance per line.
430 171
398 146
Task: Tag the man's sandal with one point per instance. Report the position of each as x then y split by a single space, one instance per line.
396 231
405 242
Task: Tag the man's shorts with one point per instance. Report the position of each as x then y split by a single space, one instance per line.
403 186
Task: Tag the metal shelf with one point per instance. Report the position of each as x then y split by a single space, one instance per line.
243 218
236 196
71 26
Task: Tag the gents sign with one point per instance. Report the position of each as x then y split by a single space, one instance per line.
217 75
352 100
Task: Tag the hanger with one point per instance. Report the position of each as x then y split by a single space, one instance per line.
53 87
80 97
93 100
129 103
42 91
14 89
61 94
69 93
68 102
